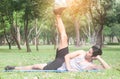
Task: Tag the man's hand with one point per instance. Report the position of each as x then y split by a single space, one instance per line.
96 58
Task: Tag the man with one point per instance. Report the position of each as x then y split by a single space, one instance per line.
78 60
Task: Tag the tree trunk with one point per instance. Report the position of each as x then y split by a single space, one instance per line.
98 20
18 35
26 35
118 39
36 40
15 38
76 24
99 37
4 43
13 32
17 28
9 43
90 32
44 39
56 40
36 37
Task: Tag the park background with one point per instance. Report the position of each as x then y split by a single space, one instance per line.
28 35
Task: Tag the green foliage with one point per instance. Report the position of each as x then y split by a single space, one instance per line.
116 29
113 21
113 43
20 10
107 31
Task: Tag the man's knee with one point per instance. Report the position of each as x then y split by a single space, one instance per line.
36 66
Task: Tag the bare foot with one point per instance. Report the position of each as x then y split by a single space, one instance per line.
59 11
59 6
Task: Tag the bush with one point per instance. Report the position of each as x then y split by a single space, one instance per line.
113 43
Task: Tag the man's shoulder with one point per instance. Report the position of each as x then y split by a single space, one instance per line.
81 51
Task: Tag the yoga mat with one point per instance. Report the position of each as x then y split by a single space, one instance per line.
59 71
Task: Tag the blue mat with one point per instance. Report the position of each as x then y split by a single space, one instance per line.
59 71
34 71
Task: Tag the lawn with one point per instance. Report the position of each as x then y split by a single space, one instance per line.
15 57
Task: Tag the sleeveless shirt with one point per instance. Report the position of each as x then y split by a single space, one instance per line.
77 63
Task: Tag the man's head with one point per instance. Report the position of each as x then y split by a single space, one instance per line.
96 51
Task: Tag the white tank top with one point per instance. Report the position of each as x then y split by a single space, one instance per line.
76 63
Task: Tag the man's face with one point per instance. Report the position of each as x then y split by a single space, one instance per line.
90 53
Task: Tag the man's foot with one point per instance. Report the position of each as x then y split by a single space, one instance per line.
9 67
59 11
59 7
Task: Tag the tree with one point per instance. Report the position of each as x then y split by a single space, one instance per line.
116 31
7 10
5 31
98 14
77 9
33 10
41 8
112 22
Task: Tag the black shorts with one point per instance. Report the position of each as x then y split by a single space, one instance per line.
59 60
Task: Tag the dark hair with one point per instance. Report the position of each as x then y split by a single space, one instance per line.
96 51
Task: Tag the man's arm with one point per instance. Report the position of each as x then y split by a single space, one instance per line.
69 56
103 63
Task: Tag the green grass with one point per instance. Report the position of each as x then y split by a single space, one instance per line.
15 57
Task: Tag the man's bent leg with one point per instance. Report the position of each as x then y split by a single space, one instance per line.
59 60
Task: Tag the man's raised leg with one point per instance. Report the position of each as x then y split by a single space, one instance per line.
62 33
59 7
